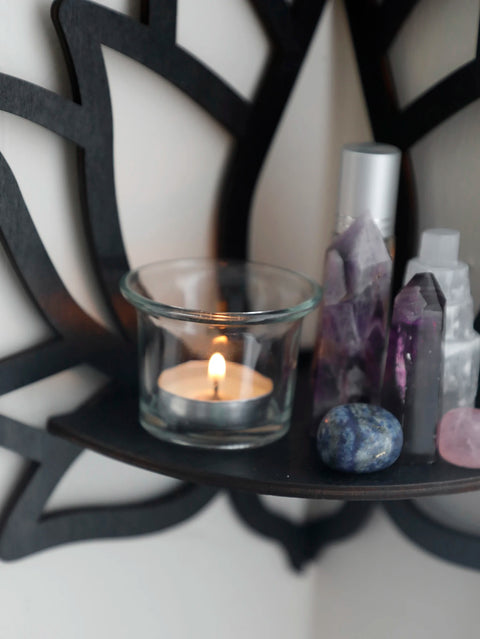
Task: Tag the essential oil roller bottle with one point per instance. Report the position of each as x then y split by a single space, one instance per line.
368 186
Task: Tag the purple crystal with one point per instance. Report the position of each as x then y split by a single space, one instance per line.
413 371
351 337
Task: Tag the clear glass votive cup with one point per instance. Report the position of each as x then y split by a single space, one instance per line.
218 345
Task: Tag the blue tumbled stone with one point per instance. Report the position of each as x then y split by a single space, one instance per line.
359 438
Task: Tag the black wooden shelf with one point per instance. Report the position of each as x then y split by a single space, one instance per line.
109 423
289 467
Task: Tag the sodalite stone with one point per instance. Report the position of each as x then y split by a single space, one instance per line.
359 438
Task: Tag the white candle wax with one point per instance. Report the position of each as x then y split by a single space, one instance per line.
186 394
190 380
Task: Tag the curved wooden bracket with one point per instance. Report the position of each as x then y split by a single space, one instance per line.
302 542
83 27
373 28
86 120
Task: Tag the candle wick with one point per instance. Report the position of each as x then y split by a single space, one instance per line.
215 390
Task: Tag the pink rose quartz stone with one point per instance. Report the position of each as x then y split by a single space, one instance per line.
458 437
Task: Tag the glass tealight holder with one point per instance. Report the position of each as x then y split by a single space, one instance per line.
218 347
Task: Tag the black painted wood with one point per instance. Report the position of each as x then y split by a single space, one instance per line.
292 29
86 120
75 339
289 467
83 27
304 541
153 44
25 528
443 541
374 26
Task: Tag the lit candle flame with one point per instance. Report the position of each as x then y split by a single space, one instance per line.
216 371
216 367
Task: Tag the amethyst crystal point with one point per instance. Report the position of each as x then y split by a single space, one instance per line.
413 372
351 338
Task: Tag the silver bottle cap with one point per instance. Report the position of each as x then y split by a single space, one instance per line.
369 185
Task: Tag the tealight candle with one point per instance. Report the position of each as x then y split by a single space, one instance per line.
213 394
218 344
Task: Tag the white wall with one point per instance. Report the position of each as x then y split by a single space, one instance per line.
210 577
